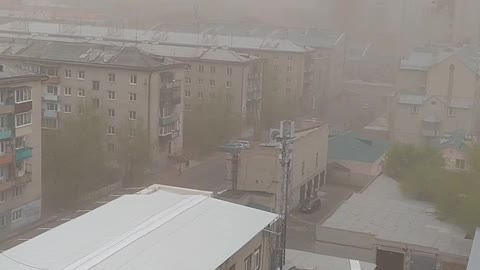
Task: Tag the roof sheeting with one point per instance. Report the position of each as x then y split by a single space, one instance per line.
145 232
352 147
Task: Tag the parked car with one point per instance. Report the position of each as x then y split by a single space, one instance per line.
310 205
246 144
231 147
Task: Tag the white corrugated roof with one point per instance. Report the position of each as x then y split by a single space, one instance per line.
142 232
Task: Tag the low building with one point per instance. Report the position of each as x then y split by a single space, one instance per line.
154 229
20 149
382 226
259 169
355 160
454 149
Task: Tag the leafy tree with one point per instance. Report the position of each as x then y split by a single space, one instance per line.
421 181
474 158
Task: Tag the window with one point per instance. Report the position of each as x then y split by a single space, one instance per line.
23 95
3 196
133 96
95 85
132 115
229 70
52 89
275 57
52 107
81 92
289 80
248 263
460 164
111 95
451 111
257 258
212 82
3 174
200 81
50 71
200 68
68 73
303 168
17 214
111 130
188 67
96 103
316 160
17 191
67 108
290 58
187 93
23 119
288 90
3 221
188 80
276 67
289 69
3 147
133 79
414 109
81 75
67 91
3 121
111 77
229 84
212 69
110 147
111 112
20 142
200 95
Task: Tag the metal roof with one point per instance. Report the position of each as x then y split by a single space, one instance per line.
383 211
474 260
350 146
461 103
11 73
155 231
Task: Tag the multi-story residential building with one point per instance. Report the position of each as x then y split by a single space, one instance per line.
20 148
132 89
438 93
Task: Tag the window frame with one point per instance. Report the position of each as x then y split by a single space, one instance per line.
69 106
81 75
133 79
25 93
67 93
111 112
414 109
82 91
111 130
132 113
95 85
67 73
111 77
26 119
18 217
112 96
134 95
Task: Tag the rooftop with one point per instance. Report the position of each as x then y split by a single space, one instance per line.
383 211
455 102
313 261
145 231
458 140
350 146
9 73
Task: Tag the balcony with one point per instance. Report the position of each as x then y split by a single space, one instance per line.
253 76
24 179
53 79
50 114
23 107
6 109
50 97
171 93
23 153
5 133
6 158
167 120
254 95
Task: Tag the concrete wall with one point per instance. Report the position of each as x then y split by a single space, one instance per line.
412 81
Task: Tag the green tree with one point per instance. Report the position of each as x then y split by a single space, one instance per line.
474 158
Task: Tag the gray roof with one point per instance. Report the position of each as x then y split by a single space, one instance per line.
383 211
411 99
11 73
350 146
474 260
307 260
461 103
85 53
457 139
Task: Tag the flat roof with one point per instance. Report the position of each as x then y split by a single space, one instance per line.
312 261
474 260
11 73
142 232
383 211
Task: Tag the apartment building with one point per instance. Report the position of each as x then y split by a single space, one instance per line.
437 94
20 148
259 169
156 229
132 89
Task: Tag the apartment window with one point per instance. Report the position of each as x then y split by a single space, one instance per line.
17 191
276 67
290 58
132 115
229 70
275 57
200 95
288 90
200 81
133 79
212 82
132 132
451 111
67 108
460 164
257 258
111 77
3 121
212 69
188 67
95 85
290 69
248 263
23 95
52 89
3 147
3 175
111 95
414 109
316 160
52 107
67 91
229 84
289 80
81 75
17 214
81 92
110 147
133 96
23 119
96 103
200 68
68 73
3 196
187 93
111 112
3 221
111 130
188 80
303 168
20 142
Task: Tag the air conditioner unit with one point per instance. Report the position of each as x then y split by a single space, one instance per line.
274 135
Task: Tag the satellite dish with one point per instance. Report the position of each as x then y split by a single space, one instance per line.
274 135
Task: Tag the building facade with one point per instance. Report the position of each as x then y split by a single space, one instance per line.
20 149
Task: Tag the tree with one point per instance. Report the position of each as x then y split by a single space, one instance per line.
474 158
74 158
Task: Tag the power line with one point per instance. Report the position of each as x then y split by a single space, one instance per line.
22 263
